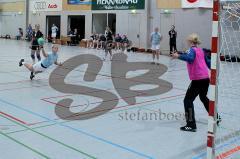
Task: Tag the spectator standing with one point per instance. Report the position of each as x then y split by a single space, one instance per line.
172 40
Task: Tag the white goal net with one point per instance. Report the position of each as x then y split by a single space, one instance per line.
227 141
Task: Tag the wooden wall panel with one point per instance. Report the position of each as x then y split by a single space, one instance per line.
169 4
12 7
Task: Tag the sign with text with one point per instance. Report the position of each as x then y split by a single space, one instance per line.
118 4
79 2
46 5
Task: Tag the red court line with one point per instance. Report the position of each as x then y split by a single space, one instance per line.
83 105
40 122
69 95
25 123
228 153
114 108
14 118
107 109
48 101
89 103
54 103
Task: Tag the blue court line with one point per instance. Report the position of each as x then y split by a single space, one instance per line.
80 131
203 154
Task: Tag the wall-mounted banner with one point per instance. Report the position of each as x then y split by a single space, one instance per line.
46 5
197 3
117 4
80 2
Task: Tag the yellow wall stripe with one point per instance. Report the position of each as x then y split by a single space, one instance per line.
12 7
169 4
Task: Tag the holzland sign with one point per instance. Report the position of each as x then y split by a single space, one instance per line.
117 4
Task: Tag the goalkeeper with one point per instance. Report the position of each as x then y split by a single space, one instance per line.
198 65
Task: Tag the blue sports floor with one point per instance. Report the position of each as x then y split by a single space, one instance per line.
30 128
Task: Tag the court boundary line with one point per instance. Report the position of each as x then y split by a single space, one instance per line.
112 112
228 153
128 105
124 106
80 131
24 145
234 140
130 108
70 121
50 138
14 118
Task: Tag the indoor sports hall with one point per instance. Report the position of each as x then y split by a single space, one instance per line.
88 98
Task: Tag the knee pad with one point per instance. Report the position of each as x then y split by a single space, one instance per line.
33 56
38 56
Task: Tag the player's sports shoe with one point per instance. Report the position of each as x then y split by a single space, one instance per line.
189 128
219 120
32 76
21 62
